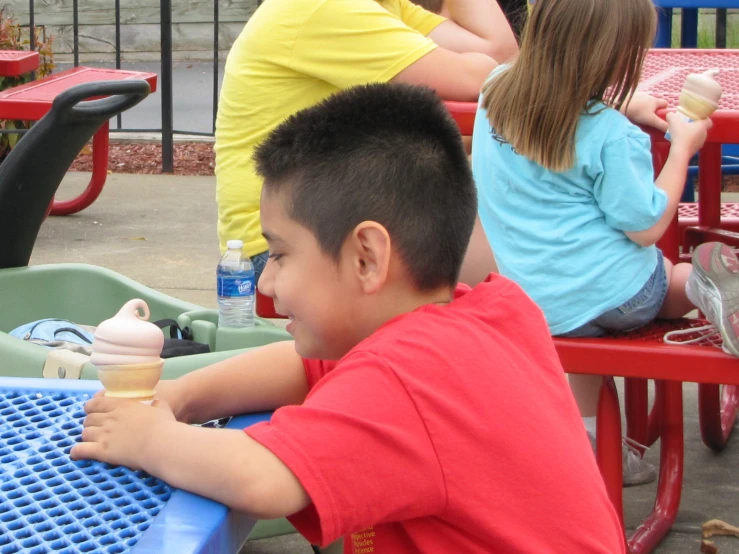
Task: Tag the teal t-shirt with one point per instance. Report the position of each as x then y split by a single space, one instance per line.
560 236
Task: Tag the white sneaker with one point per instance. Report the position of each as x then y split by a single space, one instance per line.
635 470
713 287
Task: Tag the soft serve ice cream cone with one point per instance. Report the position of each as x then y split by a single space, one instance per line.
126 351
700 95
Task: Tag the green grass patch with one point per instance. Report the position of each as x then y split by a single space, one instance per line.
707 28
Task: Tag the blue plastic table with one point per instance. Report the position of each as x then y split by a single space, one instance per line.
48 503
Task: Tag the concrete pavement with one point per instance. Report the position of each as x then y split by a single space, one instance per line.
160 230
156 229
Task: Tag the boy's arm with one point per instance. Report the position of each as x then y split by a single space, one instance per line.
476 26
686 139
262 379
223 464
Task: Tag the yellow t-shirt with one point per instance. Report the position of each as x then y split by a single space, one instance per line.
291 55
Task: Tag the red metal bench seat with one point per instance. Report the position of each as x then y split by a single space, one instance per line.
643 355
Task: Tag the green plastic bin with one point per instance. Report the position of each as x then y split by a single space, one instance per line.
89 294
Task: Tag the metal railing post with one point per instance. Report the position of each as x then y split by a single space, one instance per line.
215 62
721 28
166 90
32 31
76 32
118 118
31 25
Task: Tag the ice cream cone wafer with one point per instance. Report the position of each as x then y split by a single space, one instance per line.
135 381
696 107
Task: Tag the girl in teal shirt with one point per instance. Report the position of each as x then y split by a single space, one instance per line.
567 195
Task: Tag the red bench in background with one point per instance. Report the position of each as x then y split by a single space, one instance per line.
14 63
33 100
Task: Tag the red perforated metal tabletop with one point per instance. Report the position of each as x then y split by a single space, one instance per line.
664 74
665 71
32 100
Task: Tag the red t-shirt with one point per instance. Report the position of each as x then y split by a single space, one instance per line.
450 429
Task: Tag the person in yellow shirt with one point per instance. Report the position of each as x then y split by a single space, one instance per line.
294 53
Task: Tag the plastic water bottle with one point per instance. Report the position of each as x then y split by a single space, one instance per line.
235 287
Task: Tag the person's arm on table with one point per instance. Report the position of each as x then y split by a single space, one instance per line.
476 26
225 465
262 379
460 61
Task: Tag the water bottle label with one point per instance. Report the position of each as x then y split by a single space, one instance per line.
235 286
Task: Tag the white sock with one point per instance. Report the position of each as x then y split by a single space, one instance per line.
590 426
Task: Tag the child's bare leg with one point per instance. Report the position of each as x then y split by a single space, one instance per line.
676 302
586 390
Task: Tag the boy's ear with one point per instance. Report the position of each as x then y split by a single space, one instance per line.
370 251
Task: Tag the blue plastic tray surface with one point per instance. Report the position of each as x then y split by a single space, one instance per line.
48 503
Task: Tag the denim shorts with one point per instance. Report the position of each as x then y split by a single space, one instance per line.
259 262
642 308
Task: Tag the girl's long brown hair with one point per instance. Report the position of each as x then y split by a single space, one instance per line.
573 53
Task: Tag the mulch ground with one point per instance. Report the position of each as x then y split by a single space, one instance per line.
195 158
190 158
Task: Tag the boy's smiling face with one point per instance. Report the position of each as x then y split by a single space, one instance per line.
315 292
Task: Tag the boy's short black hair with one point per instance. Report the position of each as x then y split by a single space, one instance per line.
388 153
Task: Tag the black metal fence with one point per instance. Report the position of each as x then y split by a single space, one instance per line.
165 78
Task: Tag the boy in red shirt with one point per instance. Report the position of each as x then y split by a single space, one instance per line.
398 420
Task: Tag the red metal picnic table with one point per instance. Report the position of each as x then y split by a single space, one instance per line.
663 76
31 101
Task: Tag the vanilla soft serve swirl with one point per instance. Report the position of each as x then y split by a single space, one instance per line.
127 338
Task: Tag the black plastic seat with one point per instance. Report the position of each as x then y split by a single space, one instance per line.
32 172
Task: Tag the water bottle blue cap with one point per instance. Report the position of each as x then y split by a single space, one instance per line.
235 244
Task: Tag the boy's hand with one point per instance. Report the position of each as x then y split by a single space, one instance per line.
118 431
687 136
642 108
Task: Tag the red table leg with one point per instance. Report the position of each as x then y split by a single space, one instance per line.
99 174
670 241
636 401
642 424
608 444
649 534
654 423
709 185
718 411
